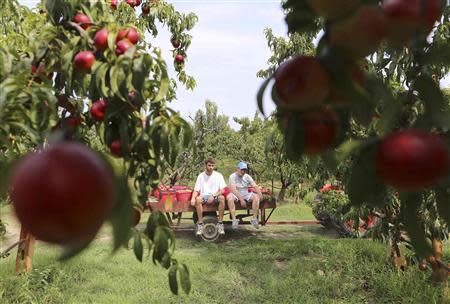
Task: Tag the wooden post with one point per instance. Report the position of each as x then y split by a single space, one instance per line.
24 258
396 255
440 274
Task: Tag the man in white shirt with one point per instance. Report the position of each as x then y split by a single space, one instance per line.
208 189
239 182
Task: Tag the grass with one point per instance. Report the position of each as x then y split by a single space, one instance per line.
277 264
292 212
244 268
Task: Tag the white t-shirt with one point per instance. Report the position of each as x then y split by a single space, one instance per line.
209 184
242 183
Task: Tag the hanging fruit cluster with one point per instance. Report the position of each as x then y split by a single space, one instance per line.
322 98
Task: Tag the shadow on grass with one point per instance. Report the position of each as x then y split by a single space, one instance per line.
187 232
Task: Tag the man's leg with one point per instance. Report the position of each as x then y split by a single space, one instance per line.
199 207
255 206
231 206
231 200
221 200
255 210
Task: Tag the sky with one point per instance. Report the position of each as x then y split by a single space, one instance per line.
228 49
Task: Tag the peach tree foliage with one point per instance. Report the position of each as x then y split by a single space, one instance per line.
399 90
53 102
212 136
279 166
291 174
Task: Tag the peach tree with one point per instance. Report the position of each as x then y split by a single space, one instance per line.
78 76
369 98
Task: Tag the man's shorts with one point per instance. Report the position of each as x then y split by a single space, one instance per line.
247 196
205 198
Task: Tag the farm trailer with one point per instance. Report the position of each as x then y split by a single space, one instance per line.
168 204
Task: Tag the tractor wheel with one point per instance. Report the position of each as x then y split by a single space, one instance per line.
210 231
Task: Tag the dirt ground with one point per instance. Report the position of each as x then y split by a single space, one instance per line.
12 228
186 231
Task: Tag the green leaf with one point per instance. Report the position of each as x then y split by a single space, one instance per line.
438 54
6 165
169 232
184 278
434 101
414 226
300 17
57 9
124 137
187 135
112 39
139 73
173 284
152 223
137 246
443 204
164 82
260 95
100 79
120 216
162 219
5 90
364 186
330 160
294 138
174 152
165 142
161 244
344 150
389 118
114 80
166 260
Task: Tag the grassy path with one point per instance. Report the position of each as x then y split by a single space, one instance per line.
276 264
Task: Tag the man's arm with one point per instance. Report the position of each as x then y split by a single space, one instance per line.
258 190
219 192
233 190
254 185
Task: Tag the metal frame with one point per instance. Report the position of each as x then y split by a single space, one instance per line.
170 206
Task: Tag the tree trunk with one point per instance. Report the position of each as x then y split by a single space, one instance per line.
281 194
24 258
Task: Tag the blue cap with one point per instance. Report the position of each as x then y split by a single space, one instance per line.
242 166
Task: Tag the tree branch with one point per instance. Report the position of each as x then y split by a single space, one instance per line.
442 264
5 253
79 29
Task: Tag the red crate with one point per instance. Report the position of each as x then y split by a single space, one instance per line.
184 195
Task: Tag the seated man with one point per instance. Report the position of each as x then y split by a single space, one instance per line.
239 183
209 188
